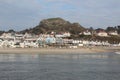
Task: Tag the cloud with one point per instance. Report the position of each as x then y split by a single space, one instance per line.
27 13
18 14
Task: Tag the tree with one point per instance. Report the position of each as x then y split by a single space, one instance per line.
110 29
11 31
118 29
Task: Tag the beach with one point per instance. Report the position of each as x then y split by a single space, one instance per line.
59 50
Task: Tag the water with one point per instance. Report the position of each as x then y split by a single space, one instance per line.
102 66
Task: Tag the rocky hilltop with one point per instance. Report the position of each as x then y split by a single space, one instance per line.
57 25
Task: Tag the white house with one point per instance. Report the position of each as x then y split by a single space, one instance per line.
64 34
102 34
59 35
113 33
7 36
87 33
27 35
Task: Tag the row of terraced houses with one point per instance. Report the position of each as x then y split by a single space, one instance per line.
27 40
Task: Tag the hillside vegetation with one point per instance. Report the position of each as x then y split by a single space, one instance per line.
57 25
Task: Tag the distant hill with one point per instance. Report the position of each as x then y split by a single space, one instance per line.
57 25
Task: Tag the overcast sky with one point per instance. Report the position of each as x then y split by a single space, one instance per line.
22 14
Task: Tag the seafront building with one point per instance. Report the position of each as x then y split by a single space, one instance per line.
27 40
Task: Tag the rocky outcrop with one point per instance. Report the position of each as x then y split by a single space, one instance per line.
57 25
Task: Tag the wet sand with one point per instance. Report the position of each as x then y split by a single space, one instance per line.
58 50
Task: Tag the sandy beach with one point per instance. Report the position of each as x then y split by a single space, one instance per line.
59 50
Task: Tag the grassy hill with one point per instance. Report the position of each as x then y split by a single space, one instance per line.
57 25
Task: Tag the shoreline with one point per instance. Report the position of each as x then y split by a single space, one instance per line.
58 50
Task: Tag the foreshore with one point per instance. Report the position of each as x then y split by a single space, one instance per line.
59 50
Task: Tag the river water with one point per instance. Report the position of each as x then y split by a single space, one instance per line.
101 66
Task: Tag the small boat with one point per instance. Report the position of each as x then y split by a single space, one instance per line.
117 52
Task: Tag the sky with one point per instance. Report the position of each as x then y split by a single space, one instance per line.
25 14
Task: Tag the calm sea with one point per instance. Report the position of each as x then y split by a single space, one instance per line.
102 66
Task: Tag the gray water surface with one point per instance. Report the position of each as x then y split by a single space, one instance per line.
102 66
